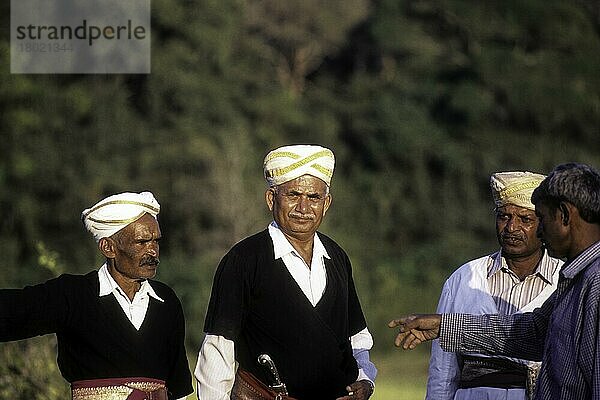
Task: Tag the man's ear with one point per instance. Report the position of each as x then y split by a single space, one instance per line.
270 198
328 200
565 213
107 247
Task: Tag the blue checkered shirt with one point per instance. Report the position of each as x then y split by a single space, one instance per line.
564 333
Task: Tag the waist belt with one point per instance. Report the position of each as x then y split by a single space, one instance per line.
119 389
492 372
249 387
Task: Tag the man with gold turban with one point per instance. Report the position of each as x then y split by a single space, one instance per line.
284 298
563 332
517 278
120 334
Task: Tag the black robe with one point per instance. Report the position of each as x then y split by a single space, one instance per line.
95 337
257 303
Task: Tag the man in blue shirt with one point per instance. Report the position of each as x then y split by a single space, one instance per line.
563 333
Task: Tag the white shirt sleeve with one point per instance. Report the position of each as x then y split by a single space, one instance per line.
361 343
215 369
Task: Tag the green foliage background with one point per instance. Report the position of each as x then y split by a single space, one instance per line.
420 100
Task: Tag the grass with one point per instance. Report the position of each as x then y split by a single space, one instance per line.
402 374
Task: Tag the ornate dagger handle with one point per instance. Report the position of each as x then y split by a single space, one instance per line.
266 361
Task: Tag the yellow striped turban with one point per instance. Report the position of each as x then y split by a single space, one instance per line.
514 188
115 212
290 162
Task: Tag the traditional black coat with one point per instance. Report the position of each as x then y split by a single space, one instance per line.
257 303
95 337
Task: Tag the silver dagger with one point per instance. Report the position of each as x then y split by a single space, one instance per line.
266 361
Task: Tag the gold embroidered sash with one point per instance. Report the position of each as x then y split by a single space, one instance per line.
119 389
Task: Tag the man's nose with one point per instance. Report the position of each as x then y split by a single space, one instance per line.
512 225
154 249
303 204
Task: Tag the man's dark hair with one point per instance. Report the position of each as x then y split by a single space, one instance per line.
578 184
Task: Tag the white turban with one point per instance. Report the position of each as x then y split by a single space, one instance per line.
290 162
514 188
115 212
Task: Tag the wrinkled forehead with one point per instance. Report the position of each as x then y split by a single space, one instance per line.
515 210
145 225
304 183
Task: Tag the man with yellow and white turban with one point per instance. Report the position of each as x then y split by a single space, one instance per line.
120 334
287 292
517 278
290 162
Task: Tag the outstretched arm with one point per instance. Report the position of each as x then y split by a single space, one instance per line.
415 329
518 335
33 310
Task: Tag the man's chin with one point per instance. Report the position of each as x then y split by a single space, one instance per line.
513 250
303 226
149 271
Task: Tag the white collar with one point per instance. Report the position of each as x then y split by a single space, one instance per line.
281 246
108 285
544 269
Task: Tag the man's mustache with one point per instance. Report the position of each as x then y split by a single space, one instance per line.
513 237
150 260
302 216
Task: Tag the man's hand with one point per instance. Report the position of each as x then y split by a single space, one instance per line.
416 329
359 390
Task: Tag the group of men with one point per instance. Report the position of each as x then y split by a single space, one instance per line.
284 320
562 332
517 278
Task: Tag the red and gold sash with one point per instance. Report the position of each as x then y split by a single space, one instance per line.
119 389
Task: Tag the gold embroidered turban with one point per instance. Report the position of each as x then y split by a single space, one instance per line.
115 212
514 188
290 162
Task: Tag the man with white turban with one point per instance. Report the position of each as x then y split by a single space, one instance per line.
120 334
517 278
288 293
